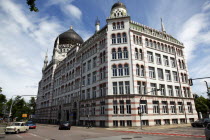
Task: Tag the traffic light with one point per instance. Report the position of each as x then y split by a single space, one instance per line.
190 82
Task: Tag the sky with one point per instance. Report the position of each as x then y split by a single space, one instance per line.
26 36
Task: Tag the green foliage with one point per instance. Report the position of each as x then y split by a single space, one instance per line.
202 105
3 101
0 89
32 5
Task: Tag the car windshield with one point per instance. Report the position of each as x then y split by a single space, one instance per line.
16 124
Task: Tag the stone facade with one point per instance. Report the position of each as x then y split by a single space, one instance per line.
123 69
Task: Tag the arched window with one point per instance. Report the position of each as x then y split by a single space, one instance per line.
155 46
118 38
118 25
134 39
114 56
140 54
137 70
122 25
104 72
150 43
119 52
126 69
140 40
161 47
169 49
113 39
182 76
114 25
124 38
146 42
125 53
180 64
166 48
142 71
172 50
158 46
73 74
137 40
136 54
114 70
120 70
183 65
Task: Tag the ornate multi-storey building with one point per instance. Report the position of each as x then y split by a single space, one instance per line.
123 69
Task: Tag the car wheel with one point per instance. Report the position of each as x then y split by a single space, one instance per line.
193 125
18 131
6 132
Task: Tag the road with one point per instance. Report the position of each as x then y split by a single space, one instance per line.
51 132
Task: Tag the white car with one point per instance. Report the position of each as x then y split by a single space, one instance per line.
17 127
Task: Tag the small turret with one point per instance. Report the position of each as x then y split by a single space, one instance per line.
97 24
162 26
45 61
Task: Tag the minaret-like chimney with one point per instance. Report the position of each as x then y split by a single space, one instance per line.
45 61
97 24
162 26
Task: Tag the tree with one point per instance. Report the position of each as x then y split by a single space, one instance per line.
3 101
0 89
32 5
32 105
202 105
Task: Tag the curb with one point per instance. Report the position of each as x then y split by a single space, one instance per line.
167 134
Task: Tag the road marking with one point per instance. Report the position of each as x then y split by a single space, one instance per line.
19 136
33 134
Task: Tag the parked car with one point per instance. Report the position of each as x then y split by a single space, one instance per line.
65 125
201 123
31 124
17 127
207 131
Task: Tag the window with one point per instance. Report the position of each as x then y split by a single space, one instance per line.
145 122
94 62
151 72
122 123
143 106
158 58
173 63
162 90
178 94
126 69
114 25
84 68
128 106
168 75
182 121
140 54
166 121
118 38
170 90
118 25
175 75
115 88
137 70
141 87
101 58
156 107
124 38
114 70
174 121
88 94
88 79
157 122
115 109
180 107
102 110
146 42
101 73
173 107
121 107
129 123
165 60
160 74
189 107
150 56
136 53
94 92
153 89
121 88
83 81
113 39
120 70
115 123
127 87
114 56
142 71
89 65
94 76
119 53
164 107
125 53
122 25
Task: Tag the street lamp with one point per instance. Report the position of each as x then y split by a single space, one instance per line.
10 110
139 108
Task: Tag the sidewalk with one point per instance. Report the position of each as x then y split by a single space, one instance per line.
146 128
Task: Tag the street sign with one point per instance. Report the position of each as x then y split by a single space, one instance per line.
24 115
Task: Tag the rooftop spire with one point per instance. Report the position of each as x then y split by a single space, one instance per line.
162 26
71 27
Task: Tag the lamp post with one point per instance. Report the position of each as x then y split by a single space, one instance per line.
139 108
10 110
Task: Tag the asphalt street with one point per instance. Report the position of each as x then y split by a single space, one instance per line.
51 132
